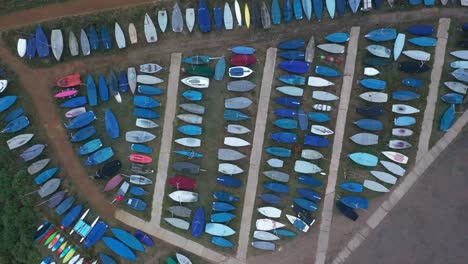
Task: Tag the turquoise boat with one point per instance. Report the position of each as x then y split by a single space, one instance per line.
222 207
404 121
447 118
297 8
235 115
92 91
45 175
306 204
275 12
382 34
222 242
90 147
192 95
190 130
222 217
279 151
327 71
149 90
189 153
374 84
285 232
119 248
352 187
423 41
220 69
286 123
141 148
452 98
318 117
128 239
339 37
217 229
292 79
99 157
318 9
364 159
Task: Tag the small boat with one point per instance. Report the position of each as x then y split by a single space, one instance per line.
353 187
421 30
373 84
188 142
292 79
369 124
229 181
81 120
228 168
365 139
21 47
327 71
220 69
225 197
75 102
398 46
404 109
217 229
321 130
42 43
191 118
286 123
243 60
190 18
355 202
270 212
119 248
324 96
275 163
393 168
284 137
385 177
75 112
418 55
288 101
414 83
192 95
131 77
375 186
461 75
311 154
461 54
190 130
237 103
32 152
235 142
332 48
237 129
275 12
369 71
264 245
150 68
413 67
240 86
423 41
222 217
294 66
14 114
113 183
140 180
293 44
239 72
234 115
318 82
138 136
184 196
16 125
309 194
119 36
99 156
227 17
229 155
402 132
398 144
405 95
148 79
448 118
162 20
180 211
318 117
276 187
381 34
279 152
374 97
145 113
243 50
132 33
136 204
56 41
364 159
193 108
103 88
199 82
395 156
182 182
83 134
222 207
298 223
316 141
270 198
145 123
140 158
306 204
198 225
459 64
265 224
31 47
84 42
65 205
45 175
379 51
150 30
277 175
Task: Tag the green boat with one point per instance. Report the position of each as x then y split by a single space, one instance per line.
170 260
376 61
199 71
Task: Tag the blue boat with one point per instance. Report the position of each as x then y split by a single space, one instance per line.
352 187
284 137
303 120
404 121
93 38
83 134
378 4
415 2
369 124
382 34
237 71
81 120
413 67
452 98
127 238
31 48
279 152
220 69
90 147
374 84
270 198
225 197
204 18
106 259
376 110
92 91
284 232
14 114
141 148
103 88
123 82
405 95
229 181
119 248
198 222
222 207
275 12
286 123
287 11
149 90
192 95
288 101
112 124
423 41
316 141
318 117
355 202
340 7
421 29
145 113
42 43
339 37
144 101
70 218
137 190
293 44
47 260
243 50
354 5
144 238
99 157
222 217
318 9
284 112
190 130
136 203
45 175
292 79
234 115
95 234
306 204
16 125
292 55
414 83
276 187
106 38
310 180
297 7
75 102
309 194
447 118
364 159
222 242
114 90
293 66
189 153
327 71
218 17
65 205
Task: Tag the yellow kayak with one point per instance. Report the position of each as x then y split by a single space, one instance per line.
247 15
69 255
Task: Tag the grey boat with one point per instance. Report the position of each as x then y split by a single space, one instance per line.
32 152
265 15
241 86
138 136
229 154
84 41
186 167
55 199
73 44
264 245
38 166
49 187
237 103
365 139
141 168
193 108
310 50
180 211
177 19
277 175
393 168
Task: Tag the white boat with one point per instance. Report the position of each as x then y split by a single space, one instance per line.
132 33
398 144
379 51
461 54
230 169
365 139
188 142
290 90
332 48
217 229
369 71
229 154
138 136
395 156
184 196
190 18
265 224
73 44
277 175
246 71
162 20
418 55
306 167
119 36
191 118
311 154
177 222
375 186
84 42
322 107
21 47
150 30
148 79
150 68
374 97
298 223
321 130
318 82
3 85
402 132
237 129
459 64
393 168
404 109
398 46
228 19
384 176
75 112
235 142
18 141
237 9
196 82
324 96
132 79
181 259
265 236
38 166
56 43
269 211
275 163
145 123
457 87
237 103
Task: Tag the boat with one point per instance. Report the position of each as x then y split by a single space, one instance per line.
277 175
243 60
225 197
270 212
13 114
270 198
369 71
414 83
31 47
45 175
83 134
265 224
53 201
32 152
369 124
286 123
119 36
42 43
144 101
75 112
65 205
220 69
398 46
234 115
228 168
379 51
448 118
81 120
338 37
16 125
140 158
298 223
128 239
421 30
393 168
318 82
140 180
198 222
237 103
365 139
190 18
239 72
284 137
56 41
459 64
103 88
148 79
180 211
316 141
137 191
222 207
294 66
395 156
385 177
413 67
265 16
276 187
306 167
196 82
374 97
264 245
119 248
240 86
188 142
376 61
243 50
275 12
193 108
418 55
405 95
327 71
398 144
404 109
190 118
131 77
355 202
353 187
332 48
306 204
138 136
311 154
222 217
145 123
292 44
324 96
217 229
374 84
21 47
381 34
184 196
162 20
229 155
190 130
288 101
222 242
364 159
321 130
145 113
150 30
99 156
461 54
279 152
84 43
204 17
227 17
423 41
461 75
318 117
402 132
93 38
149 90
375 186
150 68
132 33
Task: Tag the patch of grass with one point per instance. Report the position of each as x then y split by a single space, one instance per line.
11 6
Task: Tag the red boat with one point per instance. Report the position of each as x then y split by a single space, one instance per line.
51 231
243 60
139 158
181 182
113 183
69 81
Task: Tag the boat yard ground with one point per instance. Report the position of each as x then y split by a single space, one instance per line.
38 84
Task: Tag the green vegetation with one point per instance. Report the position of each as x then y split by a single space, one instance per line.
11 6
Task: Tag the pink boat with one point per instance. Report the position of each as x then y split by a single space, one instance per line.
75 112
66 94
